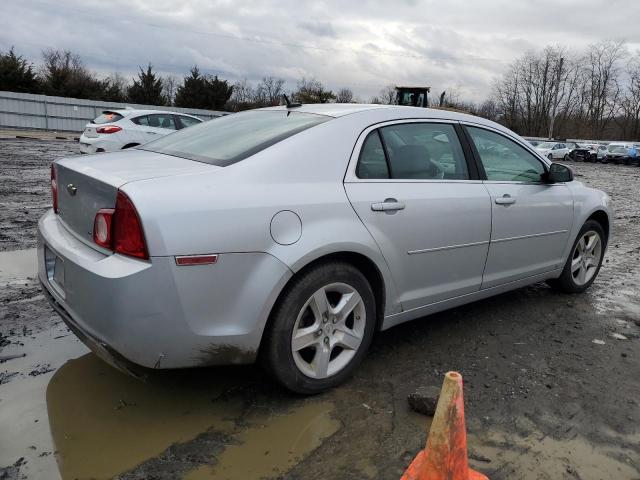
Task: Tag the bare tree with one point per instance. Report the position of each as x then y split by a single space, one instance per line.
344 95
387 95
269 92
312 91
630 101
170 86
602 87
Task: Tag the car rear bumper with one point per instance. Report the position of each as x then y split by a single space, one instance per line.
102 143
156 314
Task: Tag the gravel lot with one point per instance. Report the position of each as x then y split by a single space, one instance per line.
543 401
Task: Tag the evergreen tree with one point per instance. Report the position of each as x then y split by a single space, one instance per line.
147 88
203 91
16 74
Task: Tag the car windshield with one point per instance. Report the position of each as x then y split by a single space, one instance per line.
546 145
229 139
107 117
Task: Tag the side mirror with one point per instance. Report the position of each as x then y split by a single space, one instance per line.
559 173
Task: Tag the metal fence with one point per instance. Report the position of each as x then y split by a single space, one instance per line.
43 112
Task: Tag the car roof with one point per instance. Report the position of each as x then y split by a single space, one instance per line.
392 112
127 112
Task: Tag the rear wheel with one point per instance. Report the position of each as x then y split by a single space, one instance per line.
585 260
320 329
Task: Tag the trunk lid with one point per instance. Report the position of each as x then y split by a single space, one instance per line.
90 131
87 184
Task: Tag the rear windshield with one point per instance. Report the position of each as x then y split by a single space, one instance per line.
229 139
108 117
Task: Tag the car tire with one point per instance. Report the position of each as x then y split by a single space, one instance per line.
576 275
299 316
566 157
550 157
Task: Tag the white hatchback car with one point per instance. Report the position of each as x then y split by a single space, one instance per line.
119 129
553 150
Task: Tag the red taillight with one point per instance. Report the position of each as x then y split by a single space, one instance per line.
128 237
120 229
54 189
102 228
108 129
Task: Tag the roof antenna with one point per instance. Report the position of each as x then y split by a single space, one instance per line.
290 104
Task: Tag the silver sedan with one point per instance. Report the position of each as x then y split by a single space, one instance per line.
291 235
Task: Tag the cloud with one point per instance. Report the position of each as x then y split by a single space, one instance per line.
363 45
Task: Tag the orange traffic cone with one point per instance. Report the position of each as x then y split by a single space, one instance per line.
445 456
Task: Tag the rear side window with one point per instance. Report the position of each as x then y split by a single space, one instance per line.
415 151
144 120
372 162
232 138
107 117
188 121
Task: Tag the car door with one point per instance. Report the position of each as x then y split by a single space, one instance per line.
531 219
142 131
411 185
161 124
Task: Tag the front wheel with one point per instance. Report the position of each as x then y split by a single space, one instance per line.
585 260
320 328
550 156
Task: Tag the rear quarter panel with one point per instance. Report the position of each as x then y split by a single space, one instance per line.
231 208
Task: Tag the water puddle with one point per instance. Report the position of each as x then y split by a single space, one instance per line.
104 422
272 448
24 423
18 265
533 458
72 416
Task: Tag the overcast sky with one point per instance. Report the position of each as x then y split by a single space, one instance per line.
363 44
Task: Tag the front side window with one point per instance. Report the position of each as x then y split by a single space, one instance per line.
232 138
424 151
504 159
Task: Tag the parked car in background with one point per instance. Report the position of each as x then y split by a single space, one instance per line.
290 235
586 152
620 153
602 151
119 129
553 150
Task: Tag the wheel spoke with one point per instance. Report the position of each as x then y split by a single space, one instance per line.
348 338
582 275
347 303
320 305
305 337
321 361
591 242
575 264
581 245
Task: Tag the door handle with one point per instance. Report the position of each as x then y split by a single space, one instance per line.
389 205
506 199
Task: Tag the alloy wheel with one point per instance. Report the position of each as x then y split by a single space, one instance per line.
586 258
328 330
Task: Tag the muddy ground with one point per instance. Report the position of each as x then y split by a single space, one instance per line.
543 401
